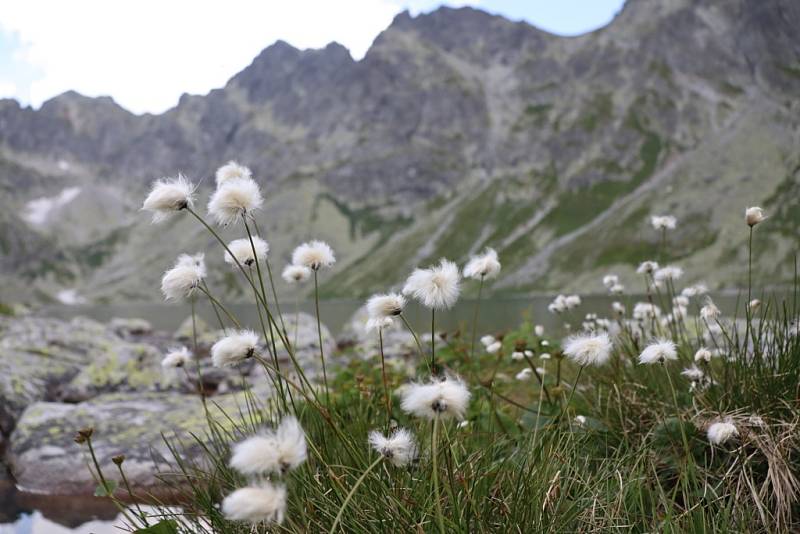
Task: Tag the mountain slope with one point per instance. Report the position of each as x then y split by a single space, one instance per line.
456 131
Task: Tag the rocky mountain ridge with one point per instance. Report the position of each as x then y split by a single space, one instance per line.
457 130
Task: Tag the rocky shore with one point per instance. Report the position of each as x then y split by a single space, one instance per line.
60 376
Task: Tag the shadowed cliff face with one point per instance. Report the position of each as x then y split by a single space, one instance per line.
457 130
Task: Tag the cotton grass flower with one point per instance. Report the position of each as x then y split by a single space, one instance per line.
559 304
242 250
487 340
702 355
693 373
314 255
538 330
618 308
610 280
647 267
295 274
710 312
524 375
181 281
234 348
233 199
232 171
169 195
659 351
177 357
617 289
265 503
572 301
663 222
645 311
494 347
437 287
444 398
388 305
589 349
753 216
277 450
695 290
483 267
722 432
378 323
517 356
668 273
754 304
399 449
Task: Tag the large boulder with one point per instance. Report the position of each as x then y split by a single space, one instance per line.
39 355
44 458
301 330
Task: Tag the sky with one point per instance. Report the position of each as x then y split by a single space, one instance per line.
146 53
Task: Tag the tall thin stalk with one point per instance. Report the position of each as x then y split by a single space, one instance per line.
433 341
385 381
352 492
475 319
435 466
319 333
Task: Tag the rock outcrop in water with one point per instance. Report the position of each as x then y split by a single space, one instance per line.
458 129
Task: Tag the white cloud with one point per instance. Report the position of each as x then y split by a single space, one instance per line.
8 89
147 53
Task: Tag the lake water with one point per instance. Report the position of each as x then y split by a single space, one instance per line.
31 514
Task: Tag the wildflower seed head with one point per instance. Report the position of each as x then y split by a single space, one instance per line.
659 351
538 330
234 348
618 308
647 267
388 305
645 311
663 222
232 171
242 250
118 459
487 340
399 449
436 287
276 450
314 255
693 373
181 281
710 312
753 216
177 357
695 290
524 375
588 349
443 397
721 432
754 304
494 347
572 301
670 272
484 266
610 280
233 199
265 503
295 274
702 355
517 356
169 195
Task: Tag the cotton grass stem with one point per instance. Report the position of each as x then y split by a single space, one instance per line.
416 338
387 396
435 474
352 492
475 319
319 333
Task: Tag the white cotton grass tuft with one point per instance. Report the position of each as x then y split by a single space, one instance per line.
231 171
442 397
176 357
617 289
710 312
659 351
702 355
277 450
721 432
487 340
386 305
295 274
753 216
265 503
399 449
618 308
538 330
610 280
436 287
647 267
233 199
695 290
589 349
663 222
234 348
168 196
572 301
670 272
314 255
181 281
242 250
524 375
693 373
484 266
754 305
378 323
494 347
644 311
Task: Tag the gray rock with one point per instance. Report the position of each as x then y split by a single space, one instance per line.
44 458
37 355
132 327
302 334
